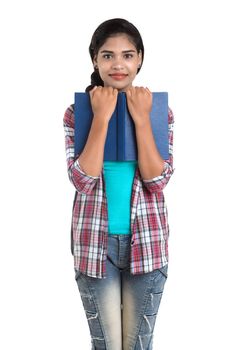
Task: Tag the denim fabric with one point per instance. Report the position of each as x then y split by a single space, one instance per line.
121 309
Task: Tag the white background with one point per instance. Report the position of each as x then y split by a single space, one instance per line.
44 59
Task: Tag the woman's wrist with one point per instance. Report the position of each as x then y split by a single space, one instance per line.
100 122
142 122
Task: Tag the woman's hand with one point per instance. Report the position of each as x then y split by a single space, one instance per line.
139 102
103 101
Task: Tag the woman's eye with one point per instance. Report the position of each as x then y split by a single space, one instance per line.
128 55
107 56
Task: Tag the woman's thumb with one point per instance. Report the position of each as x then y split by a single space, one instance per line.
92 90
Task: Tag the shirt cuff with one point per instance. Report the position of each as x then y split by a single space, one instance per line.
78 167
166 171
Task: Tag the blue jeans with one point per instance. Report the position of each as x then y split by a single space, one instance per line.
121 309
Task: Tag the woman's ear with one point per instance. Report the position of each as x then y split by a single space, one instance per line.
140 58
95 61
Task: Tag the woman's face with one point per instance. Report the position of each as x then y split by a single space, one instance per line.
118 61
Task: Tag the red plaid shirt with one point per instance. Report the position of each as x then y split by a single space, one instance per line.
149 223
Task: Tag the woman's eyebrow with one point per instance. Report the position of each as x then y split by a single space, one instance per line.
124 51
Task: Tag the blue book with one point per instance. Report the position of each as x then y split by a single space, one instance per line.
120 142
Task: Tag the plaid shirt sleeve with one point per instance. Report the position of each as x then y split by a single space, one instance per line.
83 182
158 183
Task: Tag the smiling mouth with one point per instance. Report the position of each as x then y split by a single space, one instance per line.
118 76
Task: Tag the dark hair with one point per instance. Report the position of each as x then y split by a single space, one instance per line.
109 29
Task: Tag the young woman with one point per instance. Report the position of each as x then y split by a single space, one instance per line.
119 224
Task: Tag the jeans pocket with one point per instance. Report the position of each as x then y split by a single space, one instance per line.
77 274
164 270
156 292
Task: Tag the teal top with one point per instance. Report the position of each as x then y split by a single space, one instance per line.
119 178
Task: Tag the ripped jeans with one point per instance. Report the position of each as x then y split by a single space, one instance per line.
121 309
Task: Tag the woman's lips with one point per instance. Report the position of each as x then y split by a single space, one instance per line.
118 76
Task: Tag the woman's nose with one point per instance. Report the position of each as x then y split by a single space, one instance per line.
117 67
117 64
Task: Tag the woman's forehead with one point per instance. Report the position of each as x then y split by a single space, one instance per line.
119 41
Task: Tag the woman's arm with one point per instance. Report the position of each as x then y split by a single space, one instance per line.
84 170
154 170
91 158
82 182
150 162
103 101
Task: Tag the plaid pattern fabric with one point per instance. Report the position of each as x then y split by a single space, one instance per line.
149 223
